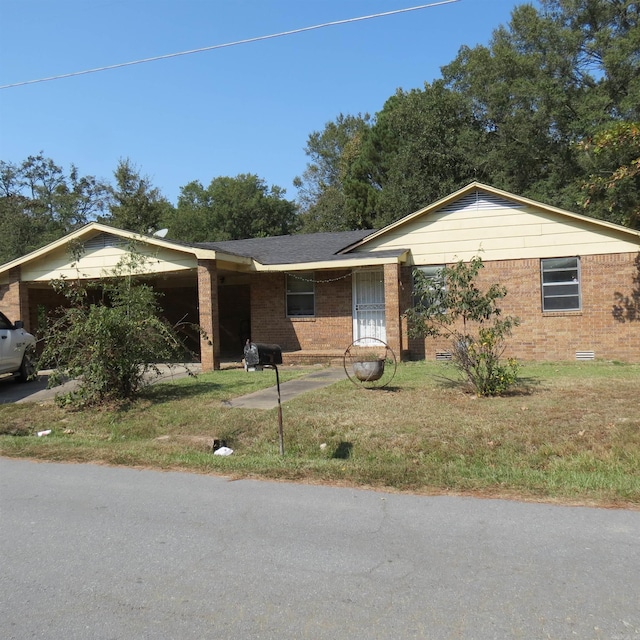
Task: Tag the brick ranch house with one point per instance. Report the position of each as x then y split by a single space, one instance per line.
572 280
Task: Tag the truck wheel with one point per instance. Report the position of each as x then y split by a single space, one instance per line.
27 368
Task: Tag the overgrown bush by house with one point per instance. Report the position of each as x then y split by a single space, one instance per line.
109 337
453 306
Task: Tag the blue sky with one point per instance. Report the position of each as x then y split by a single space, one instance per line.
242 109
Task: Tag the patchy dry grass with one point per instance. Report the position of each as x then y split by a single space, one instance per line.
570 433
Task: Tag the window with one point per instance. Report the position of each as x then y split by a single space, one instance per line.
301 296
424 293
560 284
5 322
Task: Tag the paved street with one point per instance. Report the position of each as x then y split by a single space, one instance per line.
92 552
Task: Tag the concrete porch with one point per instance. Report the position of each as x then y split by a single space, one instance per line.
329 357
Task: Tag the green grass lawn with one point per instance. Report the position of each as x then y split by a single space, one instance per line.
570 433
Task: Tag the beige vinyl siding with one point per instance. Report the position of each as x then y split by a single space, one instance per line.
96 262
503 233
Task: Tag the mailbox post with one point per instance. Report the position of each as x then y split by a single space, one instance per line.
270 356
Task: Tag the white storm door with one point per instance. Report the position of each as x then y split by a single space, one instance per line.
368 304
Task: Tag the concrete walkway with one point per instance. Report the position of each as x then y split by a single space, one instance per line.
268 398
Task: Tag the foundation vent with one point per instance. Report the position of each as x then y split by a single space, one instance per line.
443 355
585 355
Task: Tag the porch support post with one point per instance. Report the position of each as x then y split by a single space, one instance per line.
15 299
392 276
208 316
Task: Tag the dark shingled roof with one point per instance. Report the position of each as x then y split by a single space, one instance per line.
304 247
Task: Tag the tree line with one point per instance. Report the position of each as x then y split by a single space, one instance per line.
549 109
40 202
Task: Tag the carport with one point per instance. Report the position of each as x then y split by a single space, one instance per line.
197 285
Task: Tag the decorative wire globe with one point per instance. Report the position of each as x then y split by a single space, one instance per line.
370 363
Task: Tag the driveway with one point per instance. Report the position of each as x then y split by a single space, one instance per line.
91 552
36 390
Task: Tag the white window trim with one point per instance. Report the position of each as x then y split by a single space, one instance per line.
304 276
543 285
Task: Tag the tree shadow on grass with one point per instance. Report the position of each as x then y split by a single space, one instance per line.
167 392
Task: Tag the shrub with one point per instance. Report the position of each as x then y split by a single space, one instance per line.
109 337
453 306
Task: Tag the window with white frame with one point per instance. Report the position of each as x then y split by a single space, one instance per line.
427 287
560 284
301 295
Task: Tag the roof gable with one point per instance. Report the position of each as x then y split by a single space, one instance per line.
481 220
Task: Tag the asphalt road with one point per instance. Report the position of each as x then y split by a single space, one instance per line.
91 552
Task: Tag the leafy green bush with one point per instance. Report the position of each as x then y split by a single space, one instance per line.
109 337
453 306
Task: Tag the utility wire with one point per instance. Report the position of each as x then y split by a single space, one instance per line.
229 44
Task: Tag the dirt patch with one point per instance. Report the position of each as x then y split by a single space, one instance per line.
204 443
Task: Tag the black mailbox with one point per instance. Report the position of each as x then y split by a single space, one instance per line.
258 354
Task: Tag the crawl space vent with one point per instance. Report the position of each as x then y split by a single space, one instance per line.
443 355
585 355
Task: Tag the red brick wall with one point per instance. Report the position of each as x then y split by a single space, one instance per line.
548 336
14 298
559 335
392 299
331 328
208 314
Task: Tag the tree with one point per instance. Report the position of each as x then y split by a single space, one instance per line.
109 337
135 204
512 113
529 98
612 191
321 186
422 146
40 203
231 209
453 306
551 78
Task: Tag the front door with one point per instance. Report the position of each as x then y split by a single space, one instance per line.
368 305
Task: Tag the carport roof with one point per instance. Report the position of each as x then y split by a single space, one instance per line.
317 250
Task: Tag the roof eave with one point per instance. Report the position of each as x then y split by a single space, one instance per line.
361 260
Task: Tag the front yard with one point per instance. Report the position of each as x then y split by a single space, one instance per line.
571 433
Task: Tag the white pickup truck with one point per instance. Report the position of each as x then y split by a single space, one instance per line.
16 350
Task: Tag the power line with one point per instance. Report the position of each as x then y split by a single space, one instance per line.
229 44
